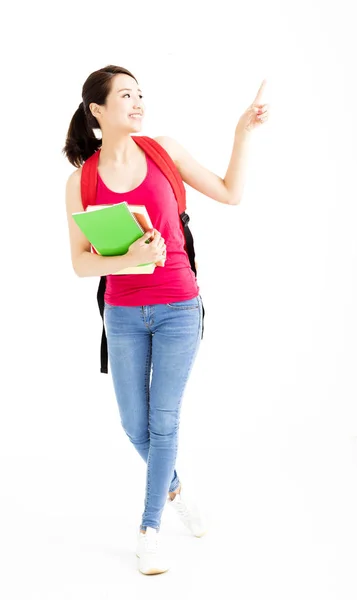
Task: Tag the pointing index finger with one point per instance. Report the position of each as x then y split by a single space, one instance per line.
259 96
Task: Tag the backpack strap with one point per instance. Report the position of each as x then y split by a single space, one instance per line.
164 161
89 178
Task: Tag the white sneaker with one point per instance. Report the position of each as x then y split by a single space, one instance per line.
189 514
151 561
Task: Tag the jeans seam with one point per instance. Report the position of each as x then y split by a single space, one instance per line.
148 365
182 307
191 307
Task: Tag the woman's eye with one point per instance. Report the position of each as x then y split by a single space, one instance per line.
127 94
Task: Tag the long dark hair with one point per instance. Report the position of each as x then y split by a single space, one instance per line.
81 142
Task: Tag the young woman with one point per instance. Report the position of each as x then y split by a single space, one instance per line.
153 322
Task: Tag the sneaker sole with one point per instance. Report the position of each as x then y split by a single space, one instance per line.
199 535
154 571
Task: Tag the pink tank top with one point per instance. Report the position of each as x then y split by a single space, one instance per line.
175 281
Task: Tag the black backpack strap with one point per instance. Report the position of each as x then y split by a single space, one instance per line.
203 319
191 253
104 343
189 240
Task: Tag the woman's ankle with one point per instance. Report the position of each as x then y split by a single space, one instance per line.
173 494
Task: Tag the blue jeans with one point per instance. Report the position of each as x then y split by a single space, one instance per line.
151 352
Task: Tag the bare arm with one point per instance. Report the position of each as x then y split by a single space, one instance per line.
193 173
84 262
228 190
235 178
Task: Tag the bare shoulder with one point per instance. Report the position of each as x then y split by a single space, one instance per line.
170 145
176 151
74 178
73 191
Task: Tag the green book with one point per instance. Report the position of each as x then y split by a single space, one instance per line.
111 230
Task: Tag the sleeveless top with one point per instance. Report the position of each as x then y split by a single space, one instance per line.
175 281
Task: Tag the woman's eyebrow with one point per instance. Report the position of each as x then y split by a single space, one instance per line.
128 89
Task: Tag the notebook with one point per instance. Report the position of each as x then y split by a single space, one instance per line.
111 229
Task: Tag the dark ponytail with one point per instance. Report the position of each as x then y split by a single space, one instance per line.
81 142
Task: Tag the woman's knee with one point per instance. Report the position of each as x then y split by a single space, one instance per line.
136 430
163 423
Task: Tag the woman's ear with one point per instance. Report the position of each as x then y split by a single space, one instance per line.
95 109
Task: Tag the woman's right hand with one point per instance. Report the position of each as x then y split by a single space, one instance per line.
141 252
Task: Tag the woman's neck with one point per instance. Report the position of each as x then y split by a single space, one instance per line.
118 151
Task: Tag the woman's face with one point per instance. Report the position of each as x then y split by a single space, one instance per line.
124 106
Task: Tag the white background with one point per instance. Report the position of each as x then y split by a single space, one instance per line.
268 436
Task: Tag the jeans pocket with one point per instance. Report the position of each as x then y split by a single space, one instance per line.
184 304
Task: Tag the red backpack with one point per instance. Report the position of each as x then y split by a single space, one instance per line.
89 192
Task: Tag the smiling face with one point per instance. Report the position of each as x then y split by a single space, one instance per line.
124 107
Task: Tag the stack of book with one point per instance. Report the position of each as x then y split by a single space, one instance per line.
111 229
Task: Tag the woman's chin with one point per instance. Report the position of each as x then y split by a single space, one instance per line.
136 125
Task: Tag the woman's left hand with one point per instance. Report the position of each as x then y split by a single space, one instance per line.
256 114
